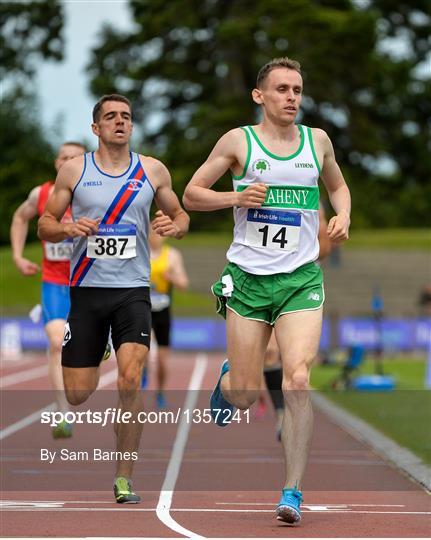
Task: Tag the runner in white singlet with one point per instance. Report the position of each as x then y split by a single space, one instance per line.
271 279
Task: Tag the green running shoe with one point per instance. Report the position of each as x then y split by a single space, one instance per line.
123 492
63 430
107 352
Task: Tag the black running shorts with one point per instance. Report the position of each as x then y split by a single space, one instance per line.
161 322
95 310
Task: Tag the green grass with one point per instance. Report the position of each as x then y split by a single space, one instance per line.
18 293
193 304
399 239
403 414
409 372
206 239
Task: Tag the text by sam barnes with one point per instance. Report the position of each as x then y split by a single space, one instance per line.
96 454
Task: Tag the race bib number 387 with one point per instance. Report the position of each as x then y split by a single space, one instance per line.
273 229
113 242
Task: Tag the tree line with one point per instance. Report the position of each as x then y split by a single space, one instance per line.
188 67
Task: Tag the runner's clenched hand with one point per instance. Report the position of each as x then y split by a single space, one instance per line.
82 227
253 196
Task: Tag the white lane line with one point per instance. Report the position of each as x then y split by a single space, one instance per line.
15 502
167 491
22 376
329 510
105 380
312 505
25 422
216 510
26 358
308 506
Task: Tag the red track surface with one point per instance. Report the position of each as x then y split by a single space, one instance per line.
227 484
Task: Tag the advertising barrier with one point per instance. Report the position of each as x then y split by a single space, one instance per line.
18 334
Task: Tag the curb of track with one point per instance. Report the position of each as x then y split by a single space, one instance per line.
404 460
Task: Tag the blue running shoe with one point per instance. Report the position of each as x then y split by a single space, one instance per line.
288 509
144 378
161 400
221 410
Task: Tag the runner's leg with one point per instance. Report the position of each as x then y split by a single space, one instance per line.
130 358
246 344
55 331
298 336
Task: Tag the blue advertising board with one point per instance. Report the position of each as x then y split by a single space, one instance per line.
388 334
210 334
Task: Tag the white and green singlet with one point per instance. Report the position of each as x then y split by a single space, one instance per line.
282 235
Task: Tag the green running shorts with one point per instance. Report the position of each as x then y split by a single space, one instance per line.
265 298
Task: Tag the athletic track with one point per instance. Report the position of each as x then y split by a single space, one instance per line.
196 480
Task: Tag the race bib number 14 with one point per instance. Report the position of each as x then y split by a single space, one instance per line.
273 229
113 242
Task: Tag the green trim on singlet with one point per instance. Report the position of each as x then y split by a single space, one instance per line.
313 151
285 196
247 160
301 145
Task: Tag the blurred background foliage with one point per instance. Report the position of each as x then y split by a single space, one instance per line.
29 32
189 66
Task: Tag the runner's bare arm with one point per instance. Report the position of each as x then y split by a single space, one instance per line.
176 273
171 219
324 241
198 194
18 232
50 227
339 194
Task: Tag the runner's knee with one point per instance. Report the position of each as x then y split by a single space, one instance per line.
55 345
130 379
243 399
297 379
78 386
76 397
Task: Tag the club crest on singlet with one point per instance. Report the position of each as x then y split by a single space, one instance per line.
134 185
260 166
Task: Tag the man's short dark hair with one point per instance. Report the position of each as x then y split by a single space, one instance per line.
283 62
108 97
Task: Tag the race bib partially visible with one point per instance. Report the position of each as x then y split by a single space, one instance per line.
273 229
113 242
61 251
159 301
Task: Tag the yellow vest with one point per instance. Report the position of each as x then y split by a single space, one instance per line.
159 267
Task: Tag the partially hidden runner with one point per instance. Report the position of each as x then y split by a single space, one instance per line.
167 272
55 301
